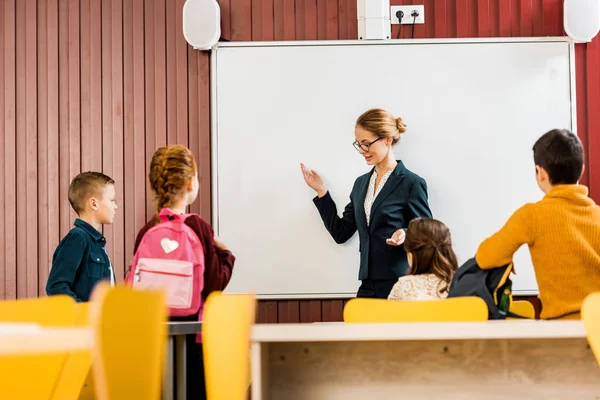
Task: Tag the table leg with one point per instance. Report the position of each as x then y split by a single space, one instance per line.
168 378
180 350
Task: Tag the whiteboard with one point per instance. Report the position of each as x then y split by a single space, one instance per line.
474 109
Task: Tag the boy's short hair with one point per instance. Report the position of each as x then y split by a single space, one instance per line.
86 185
560 153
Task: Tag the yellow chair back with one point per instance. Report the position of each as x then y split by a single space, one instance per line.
131 335
72 380
228 319
459 309
590 314
34 376
523 308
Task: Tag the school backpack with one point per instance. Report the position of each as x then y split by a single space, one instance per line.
492 285
170 257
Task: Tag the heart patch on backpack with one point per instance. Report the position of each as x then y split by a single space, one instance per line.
168 245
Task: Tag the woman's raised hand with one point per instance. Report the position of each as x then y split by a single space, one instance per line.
314 180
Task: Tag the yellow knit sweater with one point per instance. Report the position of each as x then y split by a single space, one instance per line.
563 234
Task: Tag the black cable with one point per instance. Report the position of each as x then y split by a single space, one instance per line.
414 14
399 15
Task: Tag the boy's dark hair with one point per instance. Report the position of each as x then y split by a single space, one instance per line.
86 185
560 153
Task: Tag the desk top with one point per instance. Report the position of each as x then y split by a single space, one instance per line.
341 332
184 328
44 340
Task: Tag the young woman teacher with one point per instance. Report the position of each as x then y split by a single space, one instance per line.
382 203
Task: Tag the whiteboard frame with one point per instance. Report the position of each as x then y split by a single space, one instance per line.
398 42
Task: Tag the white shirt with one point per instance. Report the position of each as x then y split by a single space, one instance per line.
372 194
110 269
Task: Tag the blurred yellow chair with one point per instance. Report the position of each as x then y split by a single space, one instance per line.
87 391
523 308
590 314
46 311
78 365
380 311
228 319
34 376
131 335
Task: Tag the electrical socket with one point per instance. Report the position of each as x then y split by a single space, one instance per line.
408 18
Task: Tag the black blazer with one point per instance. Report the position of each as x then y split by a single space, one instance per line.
402 198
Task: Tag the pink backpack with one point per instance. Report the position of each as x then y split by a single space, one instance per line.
171 257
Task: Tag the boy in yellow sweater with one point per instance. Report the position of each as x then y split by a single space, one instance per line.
562 230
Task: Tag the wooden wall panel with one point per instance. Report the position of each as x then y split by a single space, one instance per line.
3 94
10 164
285 19
241 20
2 127
26 142
48 146
21 153
31 149
112 121
310 311
134 194
592 115
263 21
149 93
268 311
199 126
306 20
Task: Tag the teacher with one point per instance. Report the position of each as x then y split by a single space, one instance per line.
382 203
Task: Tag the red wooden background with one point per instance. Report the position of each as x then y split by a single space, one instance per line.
99 84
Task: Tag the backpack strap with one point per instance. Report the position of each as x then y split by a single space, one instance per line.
166 215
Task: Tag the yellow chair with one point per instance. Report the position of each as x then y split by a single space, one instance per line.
523 308
226 328
87 392
46 311
78 364
378 310
131 334
34 376
590 314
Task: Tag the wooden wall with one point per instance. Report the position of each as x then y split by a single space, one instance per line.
99 84
90 85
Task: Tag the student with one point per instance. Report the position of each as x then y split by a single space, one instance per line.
562 230
80 260
174 180
382 203
431 259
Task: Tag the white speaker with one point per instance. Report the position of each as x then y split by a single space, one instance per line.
373 19
201 23
582 19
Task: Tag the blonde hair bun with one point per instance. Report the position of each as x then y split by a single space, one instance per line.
400 125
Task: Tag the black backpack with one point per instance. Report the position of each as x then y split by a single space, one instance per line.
492 285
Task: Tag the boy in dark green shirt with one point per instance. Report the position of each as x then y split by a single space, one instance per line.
80 260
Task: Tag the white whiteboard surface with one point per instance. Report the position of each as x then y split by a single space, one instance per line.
474 109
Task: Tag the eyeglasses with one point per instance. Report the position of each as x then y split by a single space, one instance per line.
364 146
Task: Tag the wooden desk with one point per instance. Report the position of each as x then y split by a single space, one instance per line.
483 360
